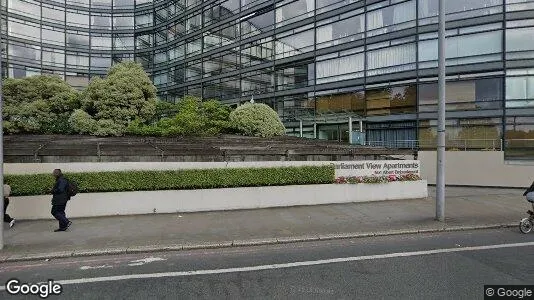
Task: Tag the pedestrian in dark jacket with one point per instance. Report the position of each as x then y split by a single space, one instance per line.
60 196
7 217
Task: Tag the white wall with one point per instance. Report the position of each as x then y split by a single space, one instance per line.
477 168
147 202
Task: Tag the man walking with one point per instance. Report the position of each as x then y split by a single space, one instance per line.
60 196
7 218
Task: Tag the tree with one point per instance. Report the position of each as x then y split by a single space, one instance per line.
38 104
257 119
125 95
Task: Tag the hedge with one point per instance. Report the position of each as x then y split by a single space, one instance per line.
40 184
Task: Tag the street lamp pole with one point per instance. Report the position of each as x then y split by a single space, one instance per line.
440 174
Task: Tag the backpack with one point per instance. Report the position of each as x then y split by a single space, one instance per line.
72 188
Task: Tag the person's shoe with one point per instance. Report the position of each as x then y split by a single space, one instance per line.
60 229
68 225
12 223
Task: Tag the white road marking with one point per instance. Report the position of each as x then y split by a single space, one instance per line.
143 261
287 265
95 267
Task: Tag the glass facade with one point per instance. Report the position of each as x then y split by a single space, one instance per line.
319 61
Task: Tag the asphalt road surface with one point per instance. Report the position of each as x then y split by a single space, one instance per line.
453 265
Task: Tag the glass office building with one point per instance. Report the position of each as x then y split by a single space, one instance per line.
318 62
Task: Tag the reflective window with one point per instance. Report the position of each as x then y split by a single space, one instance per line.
221 11
77 40
101 42
53 37
257 82
257 24
520 89
123 21
341 103
27 8
24 31
464 49
123 42
326 5
175 31
100 62
101 22
53 57
101 3
143 21
391 100
516 5
294 11
56 14
177 52
194 47
193 70
74 60
294 44
295 75
193 23
77 19
258 52
515 42
28 53
463 95
340 32
123 4
342 68
458 9
84 3
391 59
382 20
144 41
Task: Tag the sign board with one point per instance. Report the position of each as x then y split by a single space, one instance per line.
376 168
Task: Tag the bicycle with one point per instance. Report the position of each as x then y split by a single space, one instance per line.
526 224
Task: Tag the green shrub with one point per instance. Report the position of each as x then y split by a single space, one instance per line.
38 104
82 122
192 117
257 119
40 184
124 95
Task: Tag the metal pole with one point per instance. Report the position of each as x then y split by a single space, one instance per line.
350 130
314 130
440 174
301 133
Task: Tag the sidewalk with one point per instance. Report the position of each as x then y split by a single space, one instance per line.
465 208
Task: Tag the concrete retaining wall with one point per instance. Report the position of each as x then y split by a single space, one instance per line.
477 168
132 203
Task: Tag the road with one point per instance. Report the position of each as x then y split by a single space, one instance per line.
451 265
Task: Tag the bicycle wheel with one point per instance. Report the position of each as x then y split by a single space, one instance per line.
525 226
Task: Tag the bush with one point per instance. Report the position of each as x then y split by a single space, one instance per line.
40 184
38 104
124 95
82 122
257 119
192 118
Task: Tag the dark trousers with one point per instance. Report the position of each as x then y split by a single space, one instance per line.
58 211
7 218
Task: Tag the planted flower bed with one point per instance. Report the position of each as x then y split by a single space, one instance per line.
377 179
